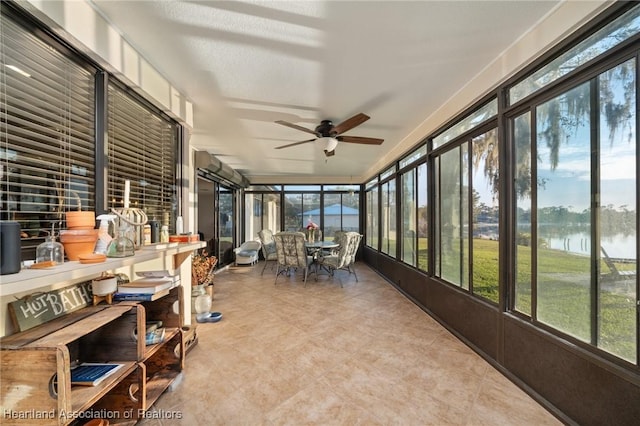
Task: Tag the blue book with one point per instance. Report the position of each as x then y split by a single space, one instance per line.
91 374
140 297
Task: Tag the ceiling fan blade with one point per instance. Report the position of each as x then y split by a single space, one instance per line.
350 123
294 144
295 126
360 139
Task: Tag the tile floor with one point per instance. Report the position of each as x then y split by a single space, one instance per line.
325 355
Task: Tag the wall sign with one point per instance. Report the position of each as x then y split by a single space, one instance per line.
39 308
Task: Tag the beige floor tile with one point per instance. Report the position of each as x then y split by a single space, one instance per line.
362 354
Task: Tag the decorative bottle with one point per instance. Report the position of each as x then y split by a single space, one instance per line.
50 251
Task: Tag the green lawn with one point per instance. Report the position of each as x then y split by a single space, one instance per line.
564 294
564 300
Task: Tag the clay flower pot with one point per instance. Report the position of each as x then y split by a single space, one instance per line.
77 242
81 220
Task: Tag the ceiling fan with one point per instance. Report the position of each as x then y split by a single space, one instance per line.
331 135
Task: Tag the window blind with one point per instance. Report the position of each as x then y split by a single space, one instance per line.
141 149
46 131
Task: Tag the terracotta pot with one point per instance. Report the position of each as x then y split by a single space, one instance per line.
77 242
81 220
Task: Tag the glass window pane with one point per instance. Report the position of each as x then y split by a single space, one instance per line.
414 156
351 212
372 218
465 227
618 218
254 209
350 188
564 213
453 216
485 207
389 237
605 39
408 231
479 116
341 213
423 218
297 188
389 172
225 234
332 215
522 189
268 188
271 212
293 220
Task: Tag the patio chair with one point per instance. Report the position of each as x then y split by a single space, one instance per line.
268 248
617 274
292 254
346 256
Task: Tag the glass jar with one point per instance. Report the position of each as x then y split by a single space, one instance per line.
50 251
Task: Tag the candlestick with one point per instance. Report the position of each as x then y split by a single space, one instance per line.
127 188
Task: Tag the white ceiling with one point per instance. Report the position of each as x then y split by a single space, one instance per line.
246 64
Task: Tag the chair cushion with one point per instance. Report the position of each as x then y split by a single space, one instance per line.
248 253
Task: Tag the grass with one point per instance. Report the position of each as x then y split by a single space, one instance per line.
564 300
563 296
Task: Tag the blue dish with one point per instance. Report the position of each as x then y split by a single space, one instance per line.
209 317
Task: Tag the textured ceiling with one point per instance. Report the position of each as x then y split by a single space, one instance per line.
247 64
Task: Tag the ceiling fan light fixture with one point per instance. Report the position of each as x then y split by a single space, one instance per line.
330 143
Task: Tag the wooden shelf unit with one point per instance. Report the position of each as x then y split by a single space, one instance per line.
35 365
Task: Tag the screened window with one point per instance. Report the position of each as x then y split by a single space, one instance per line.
299 208
389 172
468 215
372 217
262 211
484 202
141 149
471 121
47 132
581 192
422 227
415 215
413 157
408 204
388 218
452 218
605 39
341 212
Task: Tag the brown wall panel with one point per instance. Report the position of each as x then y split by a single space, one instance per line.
583 390
474 320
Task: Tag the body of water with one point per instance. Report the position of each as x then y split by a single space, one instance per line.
619 246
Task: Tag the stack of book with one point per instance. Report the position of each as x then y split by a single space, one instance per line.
153 285
154 333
